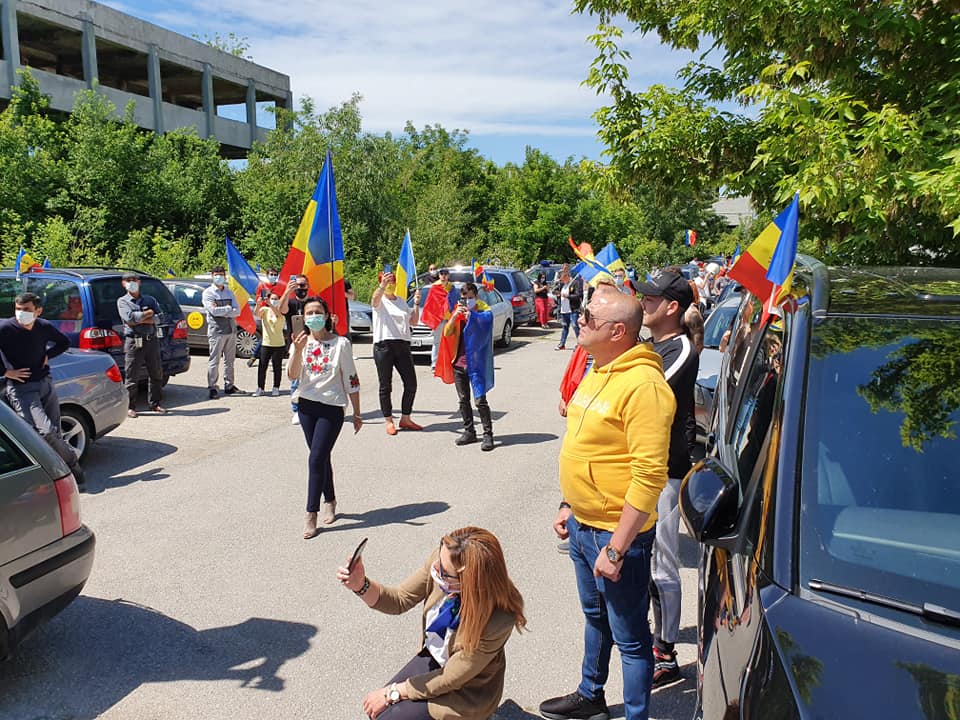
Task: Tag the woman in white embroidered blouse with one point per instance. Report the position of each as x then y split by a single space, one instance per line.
323 363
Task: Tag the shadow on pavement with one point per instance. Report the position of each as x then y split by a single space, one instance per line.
99 651
399 515
111 457
511 711
524 438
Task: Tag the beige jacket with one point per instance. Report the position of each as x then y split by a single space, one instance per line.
468 687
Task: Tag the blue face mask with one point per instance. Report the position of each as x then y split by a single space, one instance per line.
315 322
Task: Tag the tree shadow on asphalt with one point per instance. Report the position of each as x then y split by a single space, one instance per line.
111 457
399 515
98 651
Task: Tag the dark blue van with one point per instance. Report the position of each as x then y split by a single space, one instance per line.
82 303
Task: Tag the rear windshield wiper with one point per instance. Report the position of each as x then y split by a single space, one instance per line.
928 611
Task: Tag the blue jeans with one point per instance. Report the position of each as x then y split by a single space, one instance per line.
567 319
294 384
615 612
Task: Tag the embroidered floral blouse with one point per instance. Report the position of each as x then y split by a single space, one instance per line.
328 374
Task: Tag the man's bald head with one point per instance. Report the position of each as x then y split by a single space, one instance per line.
618 307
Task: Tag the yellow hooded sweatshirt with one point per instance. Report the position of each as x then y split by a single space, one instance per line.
618 439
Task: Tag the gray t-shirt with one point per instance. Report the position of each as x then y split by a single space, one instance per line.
222 310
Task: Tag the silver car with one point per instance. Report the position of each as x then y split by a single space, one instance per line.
710 358
502 321
46 553
188 293
93 400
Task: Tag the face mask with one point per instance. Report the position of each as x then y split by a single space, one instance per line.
218 279
618 279
315 322
25 317
391 288
272 279
274 303
133 286
471 303
301 292
444 585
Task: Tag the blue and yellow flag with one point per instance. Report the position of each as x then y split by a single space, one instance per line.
406 267
25 263
610 258
243 281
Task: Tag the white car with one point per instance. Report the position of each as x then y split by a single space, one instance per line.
422 340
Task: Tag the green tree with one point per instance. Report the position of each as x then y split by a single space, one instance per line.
853 104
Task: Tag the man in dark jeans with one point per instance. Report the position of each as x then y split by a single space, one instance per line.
141 346
28 343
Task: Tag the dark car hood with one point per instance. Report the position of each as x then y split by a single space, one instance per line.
842 665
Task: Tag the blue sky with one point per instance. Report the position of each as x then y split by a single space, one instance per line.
508 72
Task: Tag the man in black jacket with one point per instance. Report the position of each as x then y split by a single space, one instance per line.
28 343
665 300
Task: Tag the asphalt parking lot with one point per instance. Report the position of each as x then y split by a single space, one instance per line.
205 601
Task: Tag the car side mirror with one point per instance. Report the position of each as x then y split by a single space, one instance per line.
709 504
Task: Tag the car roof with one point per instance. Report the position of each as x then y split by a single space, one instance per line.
83 271
903 291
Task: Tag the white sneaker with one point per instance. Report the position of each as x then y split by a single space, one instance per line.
275 392
258 392
295 420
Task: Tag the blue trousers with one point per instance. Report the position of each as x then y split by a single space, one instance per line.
568 319
321 425
615 612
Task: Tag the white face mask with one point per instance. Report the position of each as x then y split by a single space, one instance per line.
444 585
218 279
471 303
25 317
272 279
274 303
618 279
133 286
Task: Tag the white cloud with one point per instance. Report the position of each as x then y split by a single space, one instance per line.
498 67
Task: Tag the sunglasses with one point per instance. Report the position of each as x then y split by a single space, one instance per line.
589 316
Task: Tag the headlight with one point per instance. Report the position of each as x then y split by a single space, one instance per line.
358 317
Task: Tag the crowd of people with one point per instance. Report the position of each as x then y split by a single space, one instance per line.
628 403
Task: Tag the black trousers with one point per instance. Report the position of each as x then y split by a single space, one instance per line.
274 355
462 382
387 355
321 425
411 709
133 358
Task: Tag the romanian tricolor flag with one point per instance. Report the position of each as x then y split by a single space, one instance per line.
690 238
477 348
480 276
242 281
766 267
610 258
317 249
25 263
406 267
589 268
440 302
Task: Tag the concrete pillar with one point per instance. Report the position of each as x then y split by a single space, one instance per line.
89 52
156 87
209 102
11 40
252 109
288 105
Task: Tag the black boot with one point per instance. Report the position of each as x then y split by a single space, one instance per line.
487 423
466 437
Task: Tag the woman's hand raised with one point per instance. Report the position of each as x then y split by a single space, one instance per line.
352 580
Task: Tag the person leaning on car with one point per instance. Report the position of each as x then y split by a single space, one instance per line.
141 346
27 344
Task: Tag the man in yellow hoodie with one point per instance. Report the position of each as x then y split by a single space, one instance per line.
613 466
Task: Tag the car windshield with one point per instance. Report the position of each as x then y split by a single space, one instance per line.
880 507
107 290
717 324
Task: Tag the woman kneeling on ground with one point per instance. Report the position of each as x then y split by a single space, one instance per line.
470 607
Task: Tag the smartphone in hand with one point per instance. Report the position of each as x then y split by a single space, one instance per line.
296 324
356 555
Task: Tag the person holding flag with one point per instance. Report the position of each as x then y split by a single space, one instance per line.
466 360
442 298
222 311
393 321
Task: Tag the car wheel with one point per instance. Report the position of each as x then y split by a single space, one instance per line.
507 335
76 430
246 343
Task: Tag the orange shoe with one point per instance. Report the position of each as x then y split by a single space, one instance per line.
391 428
410 425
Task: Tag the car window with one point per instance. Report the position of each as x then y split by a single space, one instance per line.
490 297
717 324
188 295
10 287
521 281
745 324
879 508
11 457
755 412
106 291
61 301
501 282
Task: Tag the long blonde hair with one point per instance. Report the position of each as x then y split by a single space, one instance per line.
485 585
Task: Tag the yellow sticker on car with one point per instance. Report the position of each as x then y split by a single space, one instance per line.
195 320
